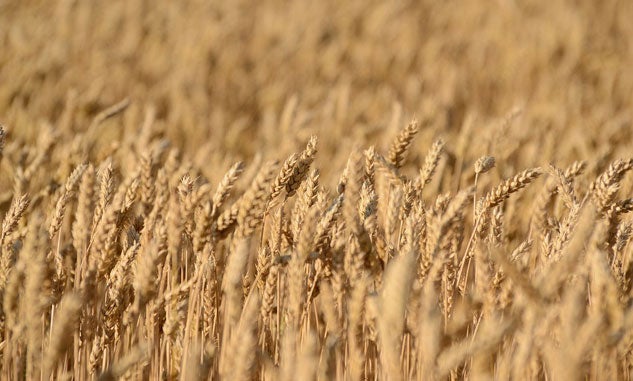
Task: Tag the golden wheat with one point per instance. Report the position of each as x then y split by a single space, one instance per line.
316 190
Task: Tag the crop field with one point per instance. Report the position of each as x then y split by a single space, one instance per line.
316 190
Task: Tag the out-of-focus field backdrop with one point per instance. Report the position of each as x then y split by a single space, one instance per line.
219 74
138 111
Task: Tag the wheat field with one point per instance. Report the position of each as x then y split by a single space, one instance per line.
294 190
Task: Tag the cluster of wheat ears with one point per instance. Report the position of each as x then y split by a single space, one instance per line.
268 274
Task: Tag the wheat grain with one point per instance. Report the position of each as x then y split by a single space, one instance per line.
400 146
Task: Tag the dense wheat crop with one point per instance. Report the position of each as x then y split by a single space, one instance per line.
331 190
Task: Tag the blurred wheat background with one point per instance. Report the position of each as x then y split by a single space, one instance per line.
295 190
